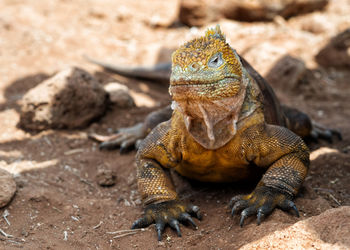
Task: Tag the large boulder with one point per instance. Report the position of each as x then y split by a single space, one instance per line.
201 12
119 94
329 230
286 72
267 10
7 187
337 52
194 12
70 99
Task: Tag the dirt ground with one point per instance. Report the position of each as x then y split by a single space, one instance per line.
59 205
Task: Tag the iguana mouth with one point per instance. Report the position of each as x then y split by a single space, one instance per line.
204 83
213 90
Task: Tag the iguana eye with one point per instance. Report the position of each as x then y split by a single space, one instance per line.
216 60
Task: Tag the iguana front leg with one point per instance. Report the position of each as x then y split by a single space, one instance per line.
287 158
125 138
159 197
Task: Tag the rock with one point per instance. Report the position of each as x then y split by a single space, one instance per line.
201 12
267 10
286 72
316 23
274 63
106 177
194 12
119 94
329 230
297 7
164 13
7 187
337 52
70 99
265 55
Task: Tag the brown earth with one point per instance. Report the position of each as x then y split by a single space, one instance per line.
59 204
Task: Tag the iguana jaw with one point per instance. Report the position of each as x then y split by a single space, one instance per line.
210 121
204 90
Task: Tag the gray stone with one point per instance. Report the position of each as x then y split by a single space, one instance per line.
202 12
337 52
106 177
119 94
267 10
286 73
7 187
70 99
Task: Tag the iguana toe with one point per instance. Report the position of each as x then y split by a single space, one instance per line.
262 201
321 132
168 213
125 138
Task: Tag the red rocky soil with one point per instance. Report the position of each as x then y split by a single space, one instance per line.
59 203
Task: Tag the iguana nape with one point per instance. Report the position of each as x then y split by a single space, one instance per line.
225 125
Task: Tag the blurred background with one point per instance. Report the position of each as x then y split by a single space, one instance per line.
300 46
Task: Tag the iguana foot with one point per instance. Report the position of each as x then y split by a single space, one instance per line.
125 138
168 213
262 201
321 132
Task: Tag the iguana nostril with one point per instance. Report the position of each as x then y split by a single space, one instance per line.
194 67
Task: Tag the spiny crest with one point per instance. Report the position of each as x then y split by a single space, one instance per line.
216 33
203 48
213 38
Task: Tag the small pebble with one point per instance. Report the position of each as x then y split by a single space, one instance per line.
106 177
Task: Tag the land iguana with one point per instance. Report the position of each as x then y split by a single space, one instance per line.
224 125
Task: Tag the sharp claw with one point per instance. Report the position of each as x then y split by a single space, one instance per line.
233 211
109 145
138 143
175 225
264 211
187 217
159 235
234 200
238 206
135 225
105 145
199 215
160 225
243 216
337 134
245 213
195 210
288 205
117 142
126 145
322 132
123 150
140 223
259 217
328 133
295 210
192 222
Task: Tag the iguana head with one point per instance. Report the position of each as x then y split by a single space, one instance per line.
208 85
205 68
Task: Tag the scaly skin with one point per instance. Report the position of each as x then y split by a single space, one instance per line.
219 132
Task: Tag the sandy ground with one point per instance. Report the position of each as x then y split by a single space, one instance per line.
59 205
